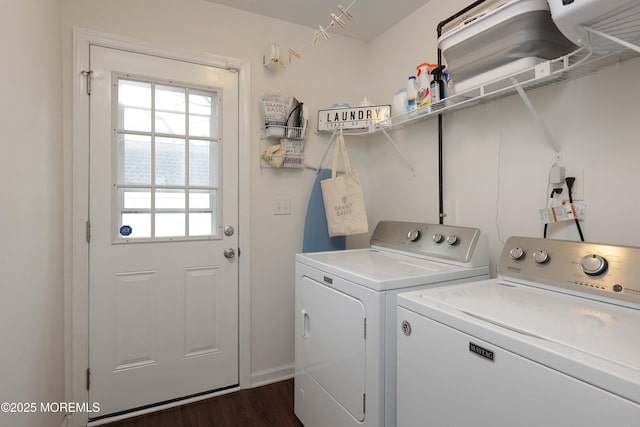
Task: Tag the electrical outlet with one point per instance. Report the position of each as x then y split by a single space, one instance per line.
282 206
578 185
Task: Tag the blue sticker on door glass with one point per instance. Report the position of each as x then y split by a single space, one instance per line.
125 230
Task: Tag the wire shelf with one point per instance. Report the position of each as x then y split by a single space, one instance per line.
579 63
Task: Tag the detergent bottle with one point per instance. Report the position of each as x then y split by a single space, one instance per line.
424 80
412 94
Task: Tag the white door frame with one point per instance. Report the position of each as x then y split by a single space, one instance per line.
77 304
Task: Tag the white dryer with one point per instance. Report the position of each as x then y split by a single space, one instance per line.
553 341
345 336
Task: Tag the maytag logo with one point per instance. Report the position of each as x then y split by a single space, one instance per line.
482 352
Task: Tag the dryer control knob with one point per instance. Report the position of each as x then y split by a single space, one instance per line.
452 240
516 253
437 238
593 264
414 235
541 256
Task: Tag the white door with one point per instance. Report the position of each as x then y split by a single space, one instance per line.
163 303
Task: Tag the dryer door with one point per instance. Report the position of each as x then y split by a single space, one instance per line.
332 346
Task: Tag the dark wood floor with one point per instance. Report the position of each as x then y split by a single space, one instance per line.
266 406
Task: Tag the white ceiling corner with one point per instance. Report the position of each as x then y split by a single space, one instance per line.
370 17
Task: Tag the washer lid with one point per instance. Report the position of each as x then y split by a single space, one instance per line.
591 327
382 270
554 328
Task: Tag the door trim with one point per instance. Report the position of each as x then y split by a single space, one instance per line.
77 293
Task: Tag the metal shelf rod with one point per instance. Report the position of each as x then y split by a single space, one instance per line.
613 39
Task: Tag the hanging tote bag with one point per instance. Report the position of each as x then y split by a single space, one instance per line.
343 198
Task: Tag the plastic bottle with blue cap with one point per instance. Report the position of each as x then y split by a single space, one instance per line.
399 105
412 93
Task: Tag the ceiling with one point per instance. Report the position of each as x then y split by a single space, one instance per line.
370 17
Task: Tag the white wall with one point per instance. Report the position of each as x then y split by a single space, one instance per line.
31 262
325 74
496 158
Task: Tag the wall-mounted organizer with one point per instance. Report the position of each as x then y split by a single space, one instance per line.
285 128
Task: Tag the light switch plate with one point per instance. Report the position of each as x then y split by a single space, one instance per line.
282 206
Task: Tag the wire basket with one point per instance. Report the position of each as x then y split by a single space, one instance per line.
289 132
289 161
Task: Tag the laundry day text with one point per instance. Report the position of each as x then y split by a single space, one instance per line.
353 118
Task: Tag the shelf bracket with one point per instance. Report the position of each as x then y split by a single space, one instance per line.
527 102
612 38
393 143
324 156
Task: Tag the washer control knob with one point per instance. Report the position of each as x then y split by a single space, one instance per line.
516 253
452 240
593 264
437 238
541 256
414 235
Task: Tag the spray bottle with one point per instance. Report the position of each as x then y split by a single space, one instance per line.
424 80
437 85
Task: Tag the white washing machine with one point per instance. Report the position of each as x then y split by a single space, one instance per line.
553 341
345 336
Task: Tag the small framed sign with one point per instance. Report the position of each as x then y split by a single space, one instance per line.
354 118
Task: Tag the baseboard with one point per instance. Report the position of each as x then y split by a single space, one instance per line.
273 375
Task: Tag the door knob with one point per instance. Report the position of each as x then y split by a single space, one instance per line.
229 253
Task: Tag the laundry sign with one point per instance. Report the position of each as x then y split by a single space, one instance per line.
354 118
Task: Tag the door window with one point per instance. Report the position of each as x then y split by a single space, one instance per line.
167 145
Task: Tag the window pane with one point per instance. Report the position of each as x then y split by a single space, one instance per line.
135 225
200 224
169 98
134 105
201 200
203 163
170 199
170 224
170 161
203 212
170 123
200 126
134 165
202 103
170 110
135 213
136 119
135 199
203 114
134 94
